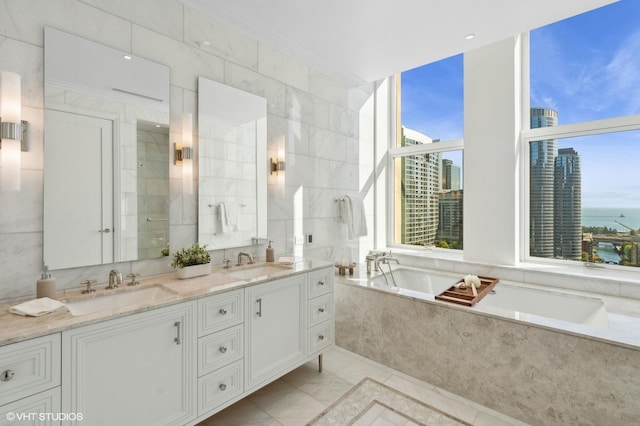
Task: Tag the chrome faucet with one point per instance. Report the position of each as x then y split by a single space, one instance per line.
371 258
251 260
115 279
385 258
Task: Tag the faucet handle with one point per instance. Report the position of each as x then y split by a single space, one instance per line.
88 283
227 263
133 277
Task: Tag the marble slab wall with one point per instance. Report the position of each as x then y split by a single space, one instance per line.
315 115
534 374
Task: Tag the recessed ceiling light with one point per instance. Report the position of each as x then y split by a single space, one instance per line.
206 43
470 36
127 57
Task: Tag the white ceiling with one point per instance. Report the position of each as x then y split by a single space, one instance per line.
360 41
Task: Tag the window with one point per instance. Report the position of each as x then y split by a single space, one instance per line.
586 67
584 138
427 169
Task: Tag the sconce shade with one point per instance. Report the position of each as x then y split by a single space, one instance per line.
187 157
11 100
11 131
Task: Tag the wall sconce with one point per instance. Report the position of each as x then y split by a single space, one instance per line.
277 166
12 130
183 153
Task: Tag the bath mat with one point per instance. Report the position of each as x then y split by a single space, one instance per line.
370 400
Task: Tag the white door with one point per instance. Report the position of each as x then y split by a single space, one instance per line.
276 329
135 370
78 190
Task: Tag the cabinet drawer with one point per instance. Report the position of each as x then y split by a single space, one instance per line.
219 387
320 282
219 349
29 367
31 407
320 337
221 311
320 309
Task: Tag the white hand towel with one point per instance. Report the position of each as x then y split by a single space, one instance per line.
232 216
37 307
224 224
352 213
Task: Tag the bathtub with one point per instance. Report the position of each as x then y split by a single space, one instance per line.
507 299
415 281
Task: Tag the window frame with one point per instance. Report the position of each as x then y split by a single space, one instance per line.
563 131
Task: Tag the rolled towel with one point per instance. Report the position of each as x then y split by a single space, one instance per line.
37 307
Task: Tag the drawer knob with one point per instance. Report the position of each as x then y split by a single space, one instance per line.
222 386
321 310
223 349
223 311
321 282
7 375
321 337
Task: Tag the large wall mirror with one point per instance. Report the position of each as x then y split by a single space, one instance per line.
106 154
232 163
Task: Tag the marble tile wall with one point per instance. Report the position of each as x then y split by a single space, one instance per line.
533 374
315 115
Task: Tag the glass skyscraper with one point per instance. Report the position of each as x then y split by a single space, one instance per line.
541 187
450 175
555 197
567 205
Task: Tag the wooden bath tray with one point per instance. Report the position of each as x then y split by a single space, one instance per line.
466 297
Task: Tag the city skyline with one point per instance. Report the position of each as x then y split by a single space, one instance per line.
596 74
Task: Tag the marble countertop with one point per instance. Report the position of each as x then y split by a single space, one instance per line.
623 313
17 328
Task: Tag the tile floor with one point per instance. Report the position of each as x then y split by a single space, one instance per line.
299 396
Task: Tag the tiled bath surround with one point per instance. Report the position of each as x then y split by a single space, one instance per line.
316 115
534 374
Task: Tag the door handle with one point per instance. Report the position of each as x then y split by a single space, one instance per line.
259 313
105 230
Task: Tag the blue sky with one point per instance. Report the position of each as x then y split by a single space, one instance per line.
586 68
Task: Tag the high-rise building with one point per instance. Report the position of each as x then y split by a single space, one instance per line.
450 175
450 204
567 205
541 186
418 184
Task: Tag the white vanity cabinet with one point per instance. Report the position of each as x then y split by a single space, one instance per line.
135 370
276 324
30 381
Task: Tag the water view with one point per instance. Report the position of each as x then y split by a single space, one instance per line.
616 218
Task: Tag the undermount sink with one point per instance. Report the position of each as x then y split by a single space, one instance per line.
251 272
118 299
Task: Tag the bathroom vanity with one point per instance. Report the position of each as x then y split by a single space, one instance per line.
176 360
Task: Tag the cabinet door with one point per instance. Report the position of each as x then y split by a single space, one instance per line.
276 329
41 409
136 370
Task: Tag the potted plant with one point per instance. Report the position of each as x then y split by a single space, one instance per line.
192 262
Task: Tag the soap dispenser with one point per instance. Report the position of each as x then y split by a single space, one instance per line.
270 253
46 286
